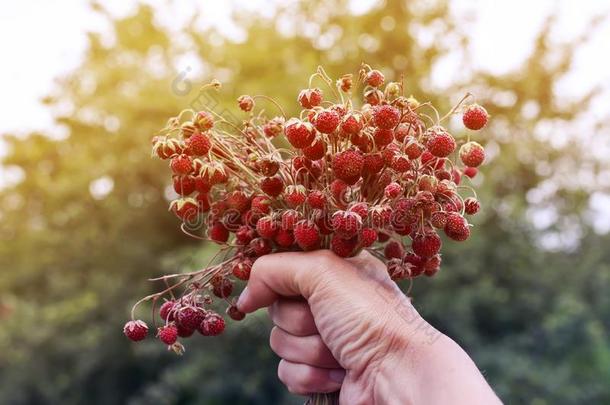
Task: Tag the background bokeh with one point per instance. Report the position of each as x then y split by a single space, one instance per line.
83 208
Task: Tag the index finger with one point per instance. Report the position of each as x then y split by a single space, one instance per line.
288 274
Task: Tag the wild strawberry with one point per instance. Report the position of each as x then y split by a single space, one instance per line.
352 123
317 150
316 199
183 185
166 148
345 82
360 208
374 78
218 233
289 219
166 312
204 120
135 330
457 227
430 161
181 165
274 127
471 206
402 132
414 150
246 103
198 145
401 163
307 235
188 129
235 313
347 166
440 142
327 121
190 316
383 137
238 201
456 176
184 332
272 186
244 235
392 190
471 172
443 175
284 238
212 325
241 268
472 154
203 202
363 141
427 183
381 216
339 191
426 245
438 219
415 263
261 246
393 250
339 109
397 269
295 196
168 334
269 167
386 117
300 134
346 223
432 265
267 227
475 117
223 288
343 247
185 208
323 220
261 204
373 164
310 98
369 236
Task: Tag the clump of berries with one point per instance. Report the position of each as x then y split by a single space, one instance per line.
382 176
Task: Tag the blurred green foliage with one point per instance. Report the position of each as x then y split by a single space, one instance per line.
535 321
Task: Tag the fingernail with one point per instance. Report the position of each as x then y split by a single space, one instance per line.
242 298
337 375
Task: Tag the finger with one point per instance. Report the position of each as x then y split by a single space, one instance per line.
293 316
309 350
302 379
289 274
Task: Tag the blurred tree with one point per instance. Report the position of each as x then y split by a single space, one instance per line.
88 223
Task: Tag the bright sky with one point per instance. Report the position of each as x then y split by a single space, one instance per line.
42 39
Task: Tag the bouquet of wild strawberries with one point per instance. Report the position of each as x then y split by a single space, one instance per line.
382 177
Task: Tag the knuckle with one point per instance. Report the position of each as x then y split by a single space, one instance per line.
274 340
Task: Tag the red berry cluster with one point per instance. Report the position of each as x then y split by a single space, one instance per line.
382 176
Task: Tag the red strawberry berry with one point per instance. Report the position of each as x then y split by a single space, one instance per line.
168 334
166 312
352 123
347 165
432 265
440 142
223 288
374 78
401 163
472 154
241 268
261 204
360 208
212 325
181 164
457 227
393 250
300 134
246 103
373 164
235 313
295 196
198 145
327 121
317 150
471 206
392 190
267 227
310 98
316 199
272 186
402 132
471 171
415 263
284 238
204 120
414 150
261 246
135 330
289 219
475 117
369 236
386 117
185 208
383 137
346 224
238 201
190 317
343 247
218 233
307 235
438 219
426 245
183 185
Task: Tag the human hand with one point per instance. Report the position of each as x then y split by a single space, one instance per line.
342 324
